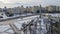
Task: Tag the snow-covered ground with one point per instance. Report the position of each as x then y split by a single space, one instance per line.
6 29
54 15
25 20
18 23
15 15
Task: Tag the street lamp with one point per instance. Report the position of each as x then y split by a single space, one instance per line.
40 11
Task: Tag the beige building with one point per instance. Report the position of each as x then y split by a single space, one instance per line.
28 9
52 8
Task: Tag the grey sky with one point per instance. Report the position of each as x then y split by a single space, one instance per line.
13 3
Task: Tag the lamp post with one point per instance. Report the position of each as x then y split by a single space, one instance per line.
40 11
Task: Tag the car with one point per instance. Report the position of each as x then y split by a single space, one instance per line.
1 16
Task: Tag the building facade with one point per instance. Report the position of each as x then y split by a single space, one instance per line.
52 8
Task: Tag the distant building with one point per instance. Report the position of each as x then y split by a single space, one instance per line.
52 8
33 9
16 10
36 9
22 9
0 9
28 9
59 8
5 9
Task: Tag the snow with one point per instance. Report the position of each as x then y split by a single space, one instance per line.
31 17
4 33
16 15
5 17
43 26
54 15
6 28
25 20
18 23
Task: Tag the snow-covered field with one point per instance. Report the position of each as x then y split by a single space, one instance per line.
18 23
6 29
54 15
25 20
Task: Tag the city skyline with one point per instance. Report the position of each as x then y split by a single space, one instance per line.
14 3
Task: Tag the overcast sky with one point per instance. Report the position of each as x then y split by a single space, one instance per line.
13 3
